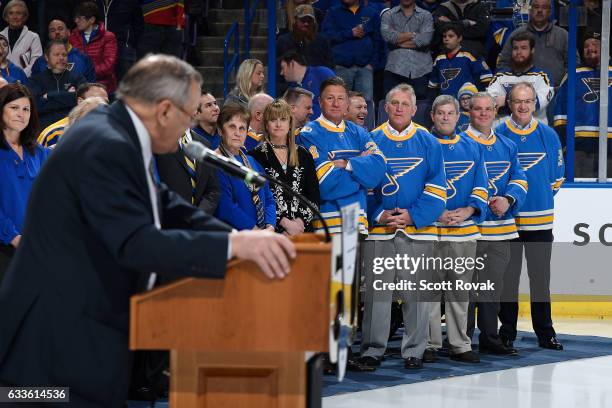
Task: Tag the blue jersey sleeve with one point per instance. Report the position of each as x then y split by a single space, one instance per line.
517 184
479 198
370 169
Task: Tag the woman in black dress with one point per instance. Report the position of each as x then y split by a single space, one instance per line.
291 164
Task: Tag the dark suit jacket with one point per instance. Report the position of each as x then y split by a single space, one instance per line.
88 244
173 172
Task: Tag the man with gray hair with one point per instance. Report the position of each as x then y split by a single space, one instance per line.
113 225
257 105
300 101
466 205
401 214
507 192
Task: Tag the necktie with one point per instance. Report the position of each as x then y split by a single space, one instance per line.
191 169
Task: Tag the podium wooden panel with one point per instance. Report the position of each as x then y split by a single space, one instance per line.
240 341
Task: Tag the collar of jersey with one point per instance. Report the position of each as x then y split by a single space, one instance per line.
399 136
450 141
475 134
331 126
514 126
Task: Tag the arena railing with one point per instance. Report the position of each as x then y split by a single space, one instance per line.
229 65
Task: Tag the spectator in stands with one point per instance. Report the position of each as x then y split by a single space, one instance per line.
453 68
294 68
429 5
300 100
20 162
83 108
24 45
408 31
305 39
550 51
522 70
80 62
353 30
541 157
9 71
54 89
256 107
52 133
402 212
291 164
586 102
472 15
465 96
466 206
164 21
291 10
358 108
91 38
242 206
124 19
206 118
249 81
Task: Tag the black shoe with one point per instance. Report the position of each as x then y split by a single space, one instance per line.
430 356
498 349
370 361
507 343
357 366
144 393
552 344
413 363
467 357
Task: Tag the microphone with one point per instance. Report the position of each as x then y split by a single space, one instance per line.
198 151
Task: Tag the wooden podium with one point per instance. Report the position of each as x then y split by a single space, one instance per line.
240 341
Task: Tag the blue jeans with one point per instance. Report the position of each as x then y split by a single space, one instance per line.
359 79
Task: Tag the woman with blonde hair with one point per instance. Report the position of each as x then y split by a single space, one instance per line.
249 81
289 163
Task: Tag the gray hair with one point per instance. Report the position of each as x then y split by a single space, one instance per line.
84 107
293 94
402 88
157 77
480 95
523 85
15 3
445 100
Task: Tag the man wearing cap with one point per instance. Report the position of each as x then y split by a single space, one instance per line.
354 32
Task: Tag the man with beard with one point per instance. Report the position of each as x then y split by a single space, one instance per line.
550 42
586 125
358 109
522 70
300 101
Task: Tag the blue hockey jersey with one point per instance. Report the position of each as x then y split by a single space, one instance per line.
541 158
587 110
450 72
338 187
414 181
463 122
466 186
506 178
252 140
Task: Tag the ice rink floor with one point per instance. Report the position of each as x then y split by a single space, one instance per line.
584 383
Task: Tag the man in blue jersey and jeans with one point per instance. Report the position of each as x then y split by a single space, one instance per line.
541 157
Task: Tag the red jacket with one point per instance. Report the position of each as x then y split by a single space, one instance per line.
102 49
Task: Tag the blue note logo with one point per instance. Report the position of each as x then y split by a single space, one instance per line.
496 170
399 167
454 172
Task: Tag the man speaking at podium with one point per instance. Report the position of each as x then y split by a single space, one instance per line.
99 226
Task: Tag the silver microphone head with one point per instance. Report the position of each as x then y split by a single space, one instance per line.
195 150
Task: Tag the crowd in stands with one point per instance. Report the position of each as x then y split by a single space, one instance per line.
373 74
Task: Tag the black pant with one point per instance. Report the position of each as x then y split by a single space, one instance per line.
537 247
390 80
495 255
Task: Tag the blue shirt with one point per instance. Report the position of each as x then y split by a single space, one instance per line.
236 205
12 73
214 140
312 80
16 179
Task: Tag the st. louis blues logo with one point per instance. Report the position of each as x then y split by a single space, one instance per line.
593 86
454 172
496 170
449 74
528 160
343 154
398 167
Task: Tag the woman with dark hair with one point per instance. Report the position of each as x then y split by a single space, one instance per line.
241 205
20 162
291 164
